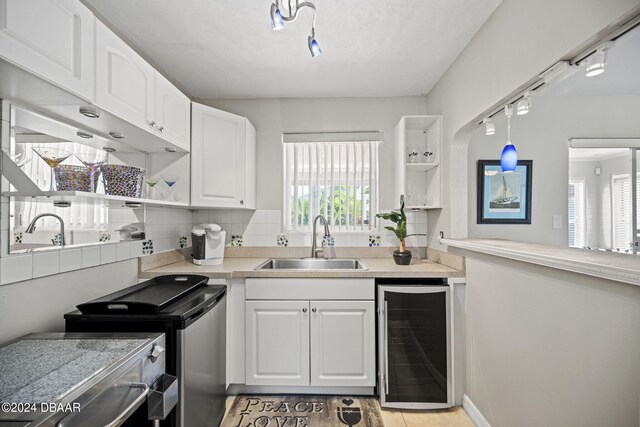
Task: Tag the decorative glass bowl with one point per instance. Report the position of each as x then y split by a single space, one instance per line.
122 180
74 178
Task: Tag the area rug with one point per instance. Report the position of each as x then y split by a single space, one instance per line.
302 411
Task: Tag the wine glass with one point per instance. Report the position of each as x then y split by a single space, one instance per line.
151 184
349 416
170 181
93 161
53 157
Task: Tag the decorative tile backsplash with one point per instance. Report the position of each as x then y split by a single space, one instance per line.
264 228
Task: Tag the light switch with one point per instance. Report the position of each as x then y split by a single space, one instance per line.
557 222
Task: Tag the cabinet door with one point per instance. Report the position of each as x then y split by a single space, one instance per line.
218 158
342 343
124 81
51 38
277 346
173 113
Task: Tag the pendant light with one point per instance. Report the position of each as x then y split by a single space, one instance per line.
509 157
278 20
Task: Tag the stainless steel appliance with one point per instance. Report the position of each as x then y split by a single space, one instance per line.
414 344
83 379
207 241
192 314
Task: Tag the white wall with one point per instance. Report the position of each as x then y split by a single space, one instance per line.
521 39
273 117
543 136
39 305
551 348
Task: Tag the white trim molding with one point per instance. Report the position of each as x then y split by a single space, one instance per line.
606 265
474 413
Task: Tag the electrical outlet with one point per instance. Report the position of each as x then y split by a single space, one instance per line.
557 222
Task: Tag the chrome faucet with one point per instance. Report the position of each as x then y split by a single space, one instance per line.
32 225
314 251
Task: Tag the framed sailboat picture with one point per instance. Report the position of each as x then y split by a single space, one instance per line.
504 197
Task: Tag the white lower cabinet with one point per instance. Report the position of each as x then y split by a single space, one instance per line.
342 343
310 343
277 343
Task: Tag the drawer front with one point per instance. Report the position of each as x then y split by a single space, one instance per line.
309 289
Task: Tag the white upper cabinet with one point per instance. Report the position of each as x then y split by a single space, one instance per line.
223 159
342 343
127 86
124 81
172 113
51 38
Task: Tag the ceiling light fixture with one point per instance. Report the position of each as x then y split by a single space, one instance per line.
278 20
509 157
597 61
524 104
489 126
84 135
92 113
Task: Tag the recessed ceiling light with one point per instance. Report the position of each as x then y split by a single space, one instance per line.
170 149
83 134
109 149
117 134
91 112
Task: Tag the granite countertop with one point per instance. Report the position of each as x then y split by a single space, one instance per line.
244 267
46 367
618 267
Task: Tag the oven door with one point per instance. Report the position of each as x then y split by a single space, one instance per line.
414 347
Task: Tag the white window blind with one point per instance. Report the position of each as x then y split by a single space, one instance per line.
576 216
622 211
336 179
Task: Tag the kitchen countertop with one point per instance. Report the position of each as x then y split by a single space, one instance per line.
244 267
618 267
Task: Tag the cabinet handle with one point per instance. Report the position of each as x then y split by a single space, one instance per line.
242 202
304 310
152 124
161 128
314 309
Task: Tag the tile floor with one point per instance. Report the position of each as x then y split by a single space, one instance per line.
454 417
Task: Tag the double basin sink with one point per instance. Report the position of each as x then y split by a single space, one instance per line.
312 264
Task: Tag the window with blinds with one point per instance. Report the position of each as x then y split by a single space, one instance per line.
337 179
622 211
576 215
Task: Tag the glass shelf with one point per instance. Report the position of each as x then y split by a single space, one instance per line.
84 197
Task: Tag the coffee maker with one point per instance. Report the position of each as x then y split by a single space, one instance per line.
208 244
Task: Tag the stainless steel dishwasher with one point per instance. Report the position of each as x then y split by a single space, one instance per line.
192 315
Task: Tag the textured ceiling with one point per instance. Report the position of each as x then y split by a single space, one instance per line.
226 48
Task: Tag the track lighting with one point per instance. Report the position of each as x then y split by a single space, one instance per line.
524 104
489 126
278 20
509 157
597 62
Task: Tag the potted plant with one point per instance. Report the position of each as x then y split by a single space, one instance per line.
401 256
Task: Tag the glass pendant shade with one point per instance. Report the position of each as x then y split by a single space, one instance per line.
276 18
314 48
509 158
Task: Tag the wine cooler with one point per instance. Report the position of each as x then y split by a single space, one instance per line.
414 344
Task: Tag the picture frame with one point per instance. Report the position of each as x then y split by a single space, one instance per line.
504 197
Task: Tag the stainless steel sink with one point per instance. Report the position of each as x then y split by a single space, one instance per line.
312 264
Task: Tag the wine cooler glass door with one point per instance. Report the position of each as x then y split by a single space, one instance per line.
414 347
